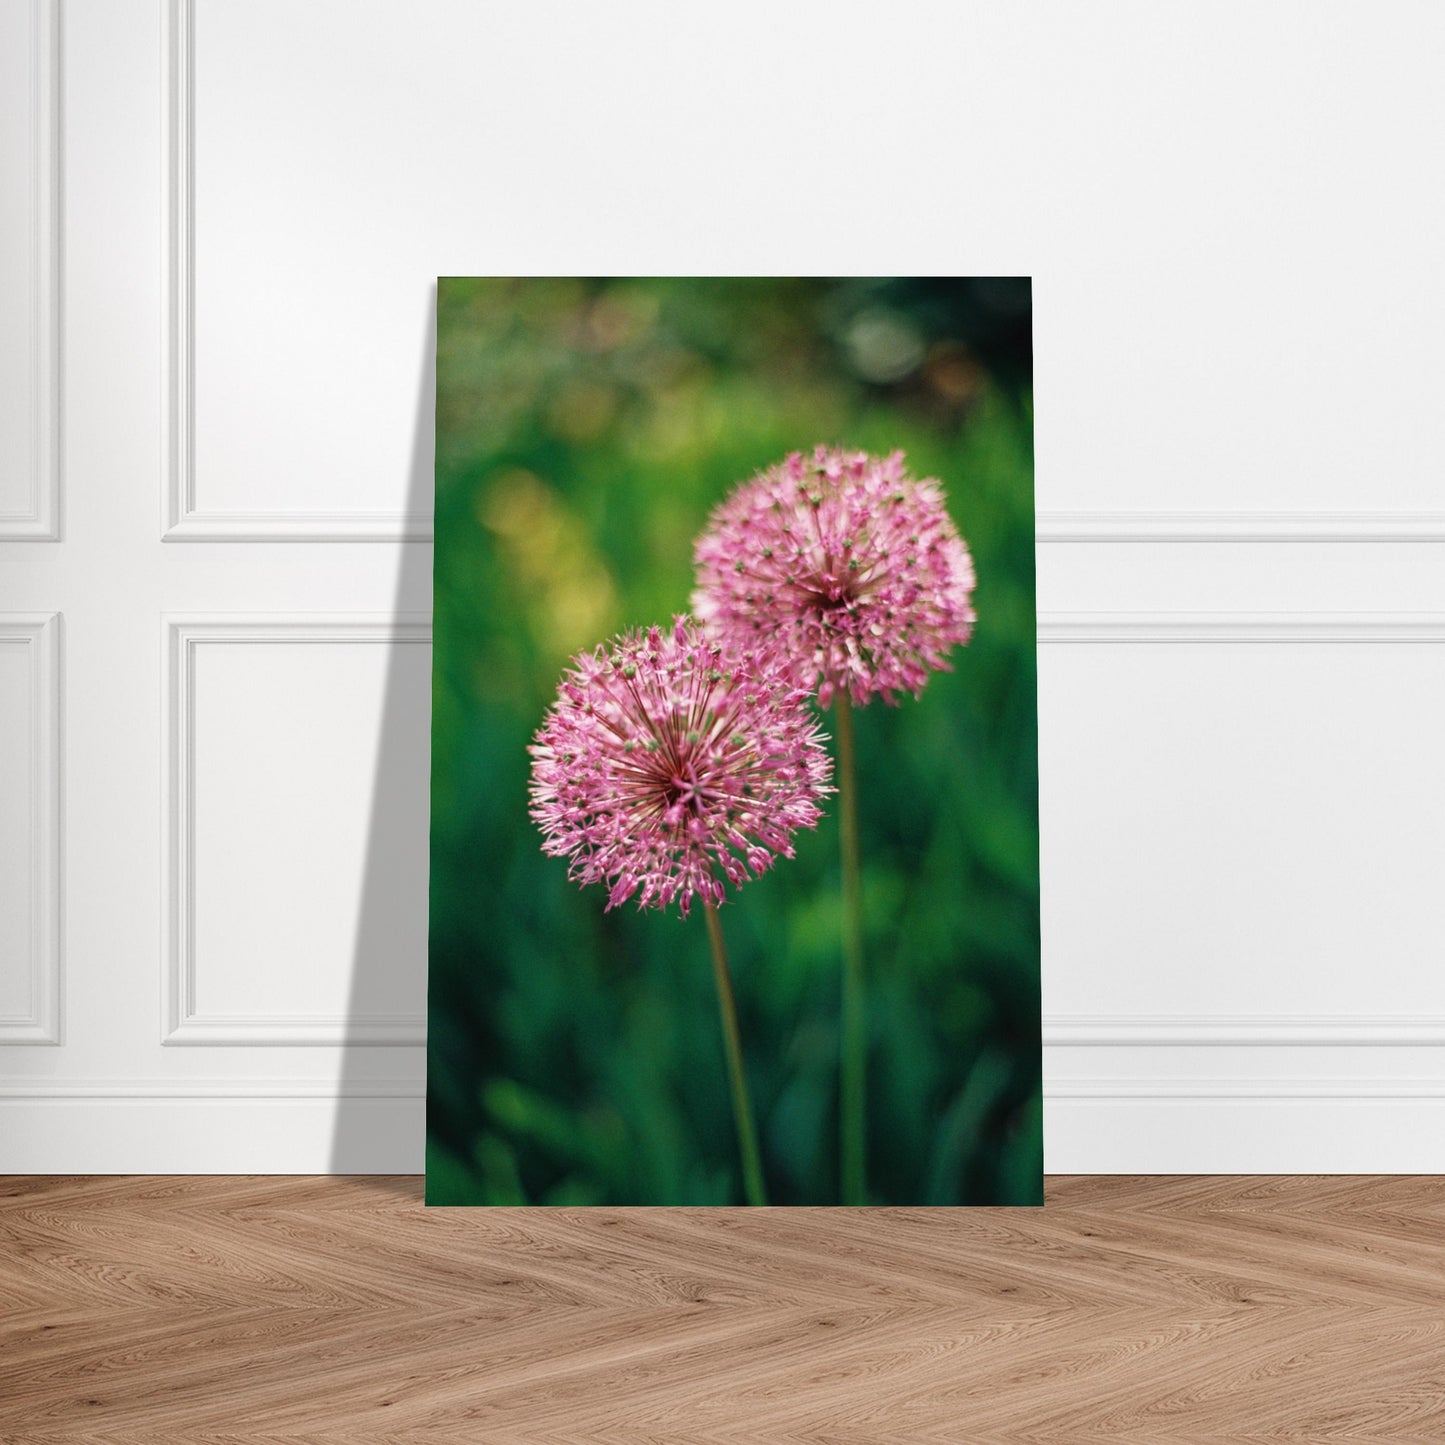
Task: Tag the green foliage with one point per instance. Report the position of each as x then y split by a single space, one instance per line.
584 431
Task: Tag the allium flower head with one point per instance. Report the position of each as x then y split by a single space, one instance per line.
849 567
668 763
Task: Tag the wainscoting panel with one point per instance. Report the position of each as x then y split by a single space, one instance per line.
221 229
29 829
1243 808
29 271
296 877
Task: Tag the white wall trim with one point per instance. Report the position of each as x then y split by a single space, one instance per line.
182 518
1240 627
288 1029
1133 1088
1396 1130
213 1133
177 498
1228 1129
1241 527
1123 1031
1244 1088
39 634
181 1021
194 526
132 1089
40 522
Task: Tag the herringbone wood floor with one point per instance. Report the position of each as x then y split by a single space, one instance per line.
1153 1310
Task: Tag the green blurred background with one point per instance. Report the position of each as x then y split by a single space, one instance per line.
584 430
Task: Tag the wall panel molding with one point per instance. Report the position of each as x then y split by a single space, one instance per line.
39 634
1240 627
1229 628
1198 1031
1170 1087
40 522
182 1021
183 517
1241 527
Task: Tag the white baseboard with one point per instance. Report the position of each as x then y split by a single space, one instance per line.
1360 1128
140 1133
1390 1130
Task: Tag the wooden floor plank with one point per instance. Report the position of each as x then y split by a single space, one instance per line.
277 1311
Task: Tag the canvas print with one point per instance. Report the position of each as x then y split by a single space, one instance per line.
734 850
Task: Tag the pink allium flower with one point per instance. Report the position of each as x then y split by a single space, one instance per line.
667 764
851 568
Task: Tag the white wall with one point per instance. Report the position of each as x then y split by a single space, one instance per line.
215 485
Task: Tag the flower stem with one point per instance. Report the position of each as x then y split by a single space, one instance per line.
737 1077
853 1102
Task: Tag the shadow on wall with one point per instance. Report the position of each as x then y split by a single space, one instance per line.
375 1124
